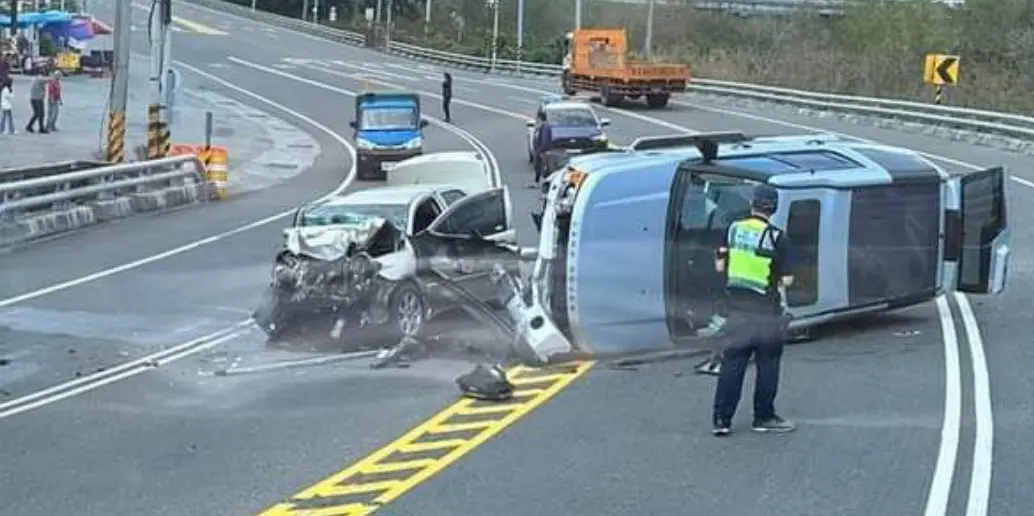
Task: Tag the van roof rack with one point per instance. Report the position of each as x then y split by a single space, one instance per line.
684 140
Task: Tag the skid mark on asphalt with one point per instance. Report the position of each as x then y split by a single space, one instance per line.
432 446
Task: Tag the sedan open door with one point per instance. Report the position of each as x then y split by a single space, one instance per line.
466 240
977 234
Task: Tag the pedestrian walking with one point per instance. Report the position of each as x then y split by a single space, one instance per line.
447 97
53 100
543 144
754 259
6 107
37 95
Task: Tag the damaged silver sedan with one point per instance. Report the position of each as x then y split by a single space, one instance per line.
383 261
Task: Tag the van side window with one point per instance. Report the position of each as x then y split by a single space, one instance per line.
802 228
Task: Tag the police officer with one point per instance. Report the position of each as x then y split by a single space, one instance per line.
543 144
447 97
753 258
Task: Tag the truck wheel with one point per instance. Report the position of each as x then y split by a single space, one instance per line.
565 83
609 99
657 101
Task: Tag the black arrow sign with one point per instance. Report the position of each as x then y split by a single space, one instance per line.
943 70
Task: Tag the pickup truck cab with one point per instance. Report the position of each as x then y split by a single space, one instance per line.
388 129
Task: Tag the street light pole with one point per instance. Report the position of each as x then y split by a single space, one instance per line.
520 33
427 17
495 33
577 14
649 31
116 135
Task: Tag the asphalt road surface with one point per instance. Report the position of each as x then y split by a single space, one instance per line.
870 398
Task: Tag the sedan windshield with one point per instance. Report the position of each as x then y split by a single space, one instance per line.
325 215
572 117
388 119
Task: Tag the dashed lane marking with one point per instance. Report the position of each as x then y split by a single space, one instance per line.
432 446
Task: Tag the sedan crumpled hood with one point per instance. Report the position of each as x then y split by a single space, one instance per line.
332 242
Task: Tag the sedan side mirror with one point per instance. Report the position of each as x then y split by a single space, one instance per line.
604 122
529 124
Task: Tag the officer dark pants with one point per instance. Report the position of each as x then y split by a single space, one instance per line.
446 101
760 335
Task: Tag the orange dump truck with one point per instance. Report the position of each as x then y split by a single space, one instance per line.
596 60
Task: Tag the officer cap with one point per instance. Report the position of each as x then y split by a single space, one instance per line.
765 195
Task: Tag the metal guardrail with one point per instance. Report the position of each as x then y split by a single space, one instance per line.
62 191
8 175
1013 125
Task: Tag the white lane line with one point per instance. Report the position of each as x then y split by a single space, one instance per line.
431 94
471 140
983 442
120 372
141 365
947 454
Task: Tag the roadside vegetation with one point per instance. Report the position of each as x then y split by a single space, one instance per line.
876 50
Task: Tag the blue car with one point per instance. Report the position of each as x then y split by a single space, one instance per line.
388 129
575 125
625 261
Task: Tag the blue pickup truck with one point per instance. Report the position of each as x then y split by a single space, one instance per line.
388 129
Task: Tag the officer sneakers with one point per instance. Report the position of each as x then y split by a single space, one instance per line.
774 424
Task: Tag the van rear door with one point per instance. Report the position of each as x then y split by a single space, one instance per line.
976 251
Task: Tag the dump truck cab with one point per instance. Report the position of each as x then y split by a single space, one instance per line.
596 60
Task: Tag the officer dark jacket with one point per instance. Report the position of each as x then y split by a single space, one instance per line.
756 257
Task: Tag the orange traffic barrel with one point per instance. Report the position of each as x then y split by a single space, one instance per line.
215 170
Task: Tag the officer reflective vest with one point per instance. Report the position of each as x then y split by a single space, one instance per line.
752 247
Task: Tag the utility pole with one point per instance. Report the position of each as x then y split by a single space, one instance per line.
577 14
387 26
520 34
161 59
649 31
427 16
495 32
115 148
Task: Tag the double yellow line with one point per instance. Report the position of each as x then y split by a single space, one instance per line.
427 449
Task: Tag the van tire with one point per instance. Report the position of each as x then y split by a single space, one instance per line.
657 101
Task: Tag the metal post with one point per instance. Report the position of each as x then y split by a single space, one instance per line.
119 94
377 15
305 9
520 34
315 11
938 95
495 33
577 14
427 17
387 28
161 57
649 30
209 122
254 4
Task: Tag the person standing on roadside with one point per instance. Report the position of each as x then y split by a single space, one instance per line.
37 95
6 107
543 144
754 259
447 96
53 100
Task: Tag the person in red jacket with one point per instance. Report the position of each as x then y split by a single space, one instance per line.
53 100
